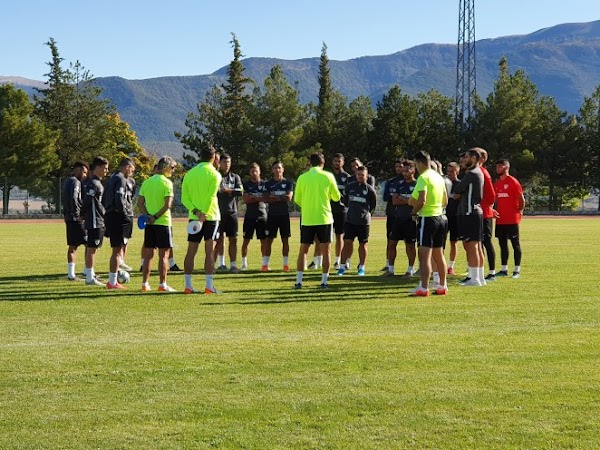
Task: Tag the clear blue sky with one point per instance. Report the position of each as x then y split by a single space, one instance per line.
153 38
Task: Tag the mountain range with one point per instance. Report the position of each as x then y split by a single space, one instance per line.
563 61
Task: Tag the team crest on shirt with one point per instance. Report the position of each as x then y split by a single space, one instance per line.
91 192
283 186
411 188
97 242
364 192
344 179
506 186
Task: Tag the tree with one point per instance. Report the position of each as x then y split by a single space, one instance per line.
589 122
354 128
27 146
437 127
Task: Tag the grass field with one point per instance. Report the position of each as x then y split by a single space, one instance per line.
362 365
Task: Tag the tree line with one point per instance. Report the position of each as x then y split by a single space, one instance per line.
555 154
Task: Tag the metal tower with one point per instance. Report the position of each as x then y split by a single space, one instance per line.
466 80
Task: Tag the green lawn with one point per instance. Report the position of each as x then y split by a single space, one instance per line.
362 365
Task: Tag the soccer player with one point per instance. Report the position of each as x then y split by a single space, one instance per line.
255 218
315 190
117 201
391 188
72 205
199 195
155 201
131 187
361 200
428 200
487 203
339 209
452 171
469 192
404 227
93 213
355 163
510 204
279 195
229 193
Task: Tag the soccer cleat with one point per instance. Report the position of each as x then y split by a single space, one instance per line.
286 268
175 268
234 270
312 266
385 269
222 268
94 282
441 290
244 267
146 288
75 278
191 291
464 280
387 274
409 274
420 292
471 282
361 272
213 290
166 288
502 273
298 286
125 267
264 268
117 285
451 271
516 275
336 266
490 277
341 271
324 286
141 268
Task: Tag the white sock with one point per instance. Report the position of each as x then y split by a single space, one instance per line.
319 261
233 263
481 274
504 268
188 281
142 262
244 261
348 263
337 260
265 260
71 270
474 273
90 275
209 282
112 278
410 269
361 266
220 260
391 269
171 262
299 276
146 285
436 278
162 285
518 269
451 265
324 278
286 260
492 272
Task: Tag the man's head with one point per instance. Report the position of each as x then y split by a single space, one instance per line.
80 170
408 170
452 171
207 154
99 167
472 158
225 163
127 167
399 166
277 170
483 155
355 163
166 165
502 167
338 162
317 160
254 172
361 174
422 161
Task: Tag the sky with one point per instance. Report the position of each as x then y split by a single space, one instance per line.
137 39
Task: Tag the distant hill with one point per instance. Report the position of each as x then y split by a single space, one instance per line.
563 61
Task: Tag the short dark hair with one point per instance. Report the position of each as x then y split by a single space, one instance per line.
454 165
362 169
207 153
474 152
400 161
97 162
356 159
339 155
225 156
504 162
81 164
317 159
126 162
408 163
165 162
276 162
423 158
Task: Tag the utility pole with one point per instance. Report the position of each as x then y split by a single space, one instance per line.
466 79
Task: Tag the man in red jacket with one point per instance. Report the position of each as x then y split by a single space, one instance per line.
487 203
510 204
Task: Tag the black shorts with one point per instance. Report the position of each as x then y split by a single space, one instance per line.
453 228
403 229
361 232
389 224
95 237
339 219
119 229
431 231
251 225
470 228
488 229
510 231
308 233
76 234
209 232
229 226
281 223
158 236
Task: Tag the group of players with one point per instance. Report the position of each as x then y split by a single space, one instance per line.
334 203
